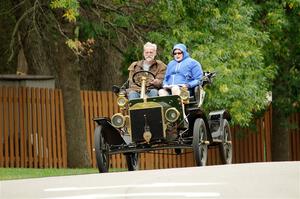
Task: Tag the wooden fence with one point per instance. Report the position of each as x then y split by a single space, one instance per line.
32 133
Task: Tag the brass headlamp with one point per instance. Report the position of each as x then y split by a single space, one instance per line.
122 100
118 120
184 94
172 114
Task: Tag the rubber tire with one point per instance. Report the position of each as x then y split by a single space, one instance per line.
225 148
199 147
101 150
132 160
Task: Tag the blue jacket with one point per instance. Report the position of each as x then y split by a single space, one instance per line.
187 71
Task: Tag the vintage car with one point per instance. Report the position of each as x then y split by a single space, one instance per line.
163 122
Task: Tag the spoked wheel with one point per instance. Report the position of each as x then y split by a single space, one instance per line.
225 147
132 160
199 145
101 149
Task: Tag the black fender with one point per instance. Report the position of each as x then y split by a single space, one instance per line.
111 135
218 117
193 115
220 114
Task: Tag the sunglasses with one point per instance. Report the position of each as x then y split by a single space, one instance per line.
178 53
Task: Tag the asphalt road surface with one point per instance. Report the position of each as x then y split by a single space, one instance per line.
255 180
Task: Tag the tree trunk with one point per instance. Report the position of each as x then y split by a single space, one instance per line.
280 133
47 54
69 78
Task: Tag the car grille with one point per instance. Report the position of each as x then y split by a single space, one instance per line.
151 116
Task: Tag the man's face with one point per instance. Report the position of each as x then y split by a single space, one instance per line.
149 54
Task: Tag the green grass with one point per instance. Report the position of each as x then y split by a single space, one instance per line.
22 173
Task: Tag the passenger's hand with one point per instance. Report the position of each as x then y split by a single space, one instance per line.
155 82
184 85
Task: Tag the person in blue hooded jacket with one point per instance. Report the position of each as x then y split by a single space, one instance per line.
181 71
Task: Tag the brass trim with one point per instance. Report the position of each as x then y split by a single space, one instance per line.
143 105
149 105
118 126
177 112
124 98
128 124
184 94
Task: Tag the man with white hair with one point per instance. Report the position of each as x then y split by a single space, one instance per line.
157 67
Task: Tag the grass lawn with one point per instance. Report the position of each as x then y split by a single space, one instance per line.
21 173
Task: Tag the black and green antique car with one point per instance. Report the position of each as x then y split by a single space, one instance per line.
163 122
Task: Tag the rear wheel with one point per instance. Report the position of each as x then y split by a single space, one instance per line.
199 145
102 151
132 160
225 147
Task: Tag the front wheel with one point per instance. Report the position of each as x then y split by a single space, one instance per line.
132 160
225 147
102 151
199 142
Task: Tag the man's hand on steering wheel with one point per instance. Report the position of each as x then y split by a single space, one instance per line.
137 78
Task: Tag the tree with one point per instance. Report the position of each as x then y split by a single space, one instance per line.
43 36
220 35
113 26
55 43
282 22
7 64
253 46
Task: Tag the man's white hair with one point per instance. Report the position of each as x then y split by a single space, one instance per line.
150 45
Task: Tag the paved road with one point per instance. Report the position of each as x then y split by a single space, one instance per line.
255 180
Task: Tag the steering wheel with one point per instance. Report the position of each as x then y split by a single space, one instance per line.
137 78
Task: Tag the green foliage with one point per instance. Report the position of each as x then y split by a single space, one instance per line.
92 29
121 21
71 8
86 2
220 36
248 43
8 63
282 21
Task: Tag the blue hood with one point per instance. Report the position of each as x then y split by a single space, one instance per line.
188 71
182 48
